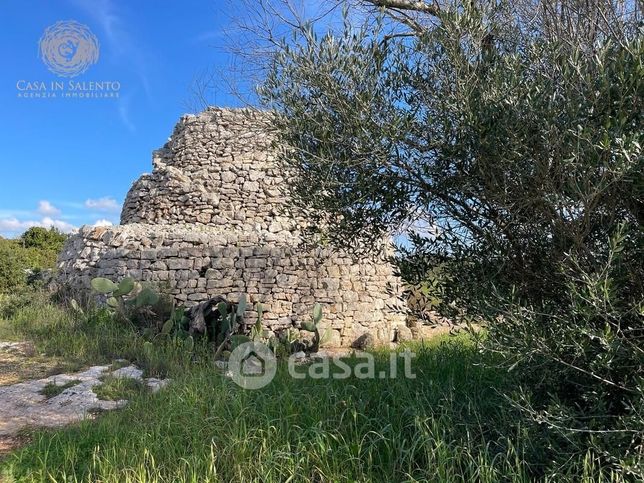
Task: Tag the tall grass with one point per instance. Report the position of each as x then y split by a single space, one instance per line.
205 428
449 424
91 337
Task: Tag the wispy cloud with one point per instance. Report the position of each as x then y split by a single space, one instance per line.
124 113
208 36
14 226
122 43
4 213
45 208
106 203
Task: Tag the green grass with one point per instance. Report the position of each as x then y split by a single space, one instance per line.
450 424
205 428
86 339
115 388
52 389
118 364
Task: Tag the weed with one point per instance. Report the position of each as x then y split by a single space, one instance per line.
52 389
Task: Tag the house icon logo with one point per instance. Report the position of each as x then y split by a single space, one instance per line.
252 365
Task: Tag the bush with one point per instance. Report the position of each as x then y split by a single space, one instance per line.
11 303
35 251
582 359
13 265
43 239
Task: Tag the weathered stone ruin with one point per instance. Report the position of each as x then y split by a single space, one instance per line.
207 221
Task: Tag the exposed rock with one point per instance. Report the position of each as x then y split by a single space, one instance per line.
299 355
23 405
364 342
331 338
404 334
20 348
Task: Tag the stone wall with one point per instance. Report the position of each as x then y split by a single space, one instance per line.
217 169
207 221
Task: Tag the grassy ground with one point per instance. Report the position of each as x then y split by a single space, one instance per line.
450 423
119 388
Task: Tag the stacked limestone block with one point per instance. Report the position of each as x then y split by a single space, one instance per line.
208 221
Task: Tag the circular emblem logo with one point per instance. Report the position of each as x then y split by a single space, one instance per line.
68 48
252 365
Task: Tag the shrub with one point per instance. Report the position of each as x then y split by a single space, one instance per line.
44 239
582 359
35 251
13 265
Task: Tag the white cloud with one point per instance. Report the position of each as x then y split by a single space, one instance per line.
105 203
13 225
45 208
60 224
103 222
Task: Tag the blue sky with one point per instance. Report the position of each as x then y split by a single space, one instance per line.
69 162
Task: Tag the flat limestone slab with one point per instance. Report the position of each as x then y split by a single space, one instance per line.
22 405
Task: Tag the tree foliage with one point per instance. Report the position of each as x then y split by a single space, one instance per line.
35 250
520 146
43 238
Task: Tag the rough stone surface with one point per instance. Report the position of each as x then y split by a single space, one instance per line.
19 347
22 405
208 221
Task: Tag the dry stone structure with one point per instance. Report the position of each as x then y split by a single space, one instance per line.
208 221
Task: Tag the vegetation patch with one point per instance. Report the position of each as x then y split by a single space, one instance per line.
18 365
435 427
52 389
114 388
22 260
119 364
452 422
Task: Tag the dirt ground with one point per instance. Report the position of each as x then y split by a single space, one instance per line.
19 362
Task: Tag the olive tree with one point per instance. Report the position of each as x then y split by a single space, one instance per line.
518 141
